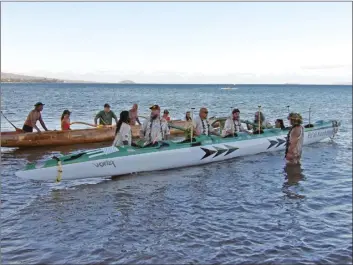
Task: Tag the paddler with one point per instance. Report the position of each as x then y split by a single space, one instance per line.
134 115
259 118
233 125
33 117
105 116
295 139
155 128
123 130
188 116
166 115
202 125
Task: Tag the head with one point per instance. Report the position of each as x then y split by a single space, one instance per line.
66 114
236 114
295 119
155 111
124 116
187 114
259 115
135 106
39 106
106 107
165 112
203 113
279 124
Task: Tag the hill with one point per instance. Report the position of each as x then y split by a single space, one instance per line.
16 78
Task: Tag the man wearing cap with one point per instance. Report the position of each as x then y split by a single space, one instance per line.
201 124
105 116
233 125
33 117
154 129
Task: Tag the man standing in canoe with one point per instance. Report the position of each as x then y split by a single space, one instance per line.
133 115
202 125
105 116
154 129
33 117
295 139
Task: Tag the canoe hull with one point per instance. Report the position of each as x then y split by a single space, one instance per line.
61 138
109 165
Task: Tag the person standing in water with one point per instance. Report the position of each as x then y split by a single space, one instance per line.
295 139
123 130
134 115
33 117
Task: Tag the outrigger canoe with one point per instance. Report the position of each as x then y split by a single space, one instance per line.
80 136
114 161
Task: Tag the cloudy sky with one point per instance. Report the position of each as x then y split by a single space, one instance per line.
165 42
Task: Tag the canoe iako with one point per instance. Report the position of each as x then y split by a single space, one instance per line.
113 161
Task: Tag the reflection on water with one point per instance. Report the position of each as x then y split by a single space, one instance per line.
293 174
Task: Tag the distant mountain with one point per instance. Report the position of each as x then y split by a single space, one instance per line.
16 78
127 82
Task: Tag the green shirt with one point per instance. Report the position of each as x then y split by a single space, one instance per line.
105 118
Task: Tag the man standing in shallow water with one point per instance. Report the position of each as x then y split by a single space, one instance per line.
133 115
33 117
105 116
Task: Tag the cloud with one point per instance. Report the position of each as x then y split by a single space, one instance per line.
328 67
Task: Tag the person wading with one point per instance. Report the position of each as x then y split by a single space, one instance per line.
123 130
105 116
295 139
33 117
134 115
155 128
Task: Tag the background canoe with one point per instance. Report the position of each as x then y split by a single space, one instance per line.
80 136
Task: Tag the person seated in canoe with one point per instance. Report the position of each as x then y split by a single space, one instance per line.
295 139
202 125
155 128
65 120
259 119
233 125
279 124
105 116
33 117
188 116
133 114
123 130
166 115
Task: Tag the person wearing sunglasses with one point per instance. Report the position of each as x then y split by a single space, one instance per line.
202 125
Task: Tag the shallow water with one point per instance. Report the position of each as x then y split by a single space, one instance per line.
247 210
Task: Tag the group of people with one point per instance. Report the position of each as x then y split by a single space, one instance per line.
156 127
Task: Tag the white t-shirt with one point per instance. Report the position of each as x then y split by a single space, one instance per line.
202 126
124 134
234 126
154 130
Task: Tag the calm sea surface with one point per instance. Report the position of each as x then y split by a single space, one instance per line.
247 210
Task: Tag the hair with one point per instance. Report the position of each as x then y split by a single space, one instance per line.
262 117
281 124
295 118
186 116
64 113
124 117
235 111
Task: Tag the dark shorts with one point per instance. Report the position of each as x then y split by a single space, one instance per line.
27 129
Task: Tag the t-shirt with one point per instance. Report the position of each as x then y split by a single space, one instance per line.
202 126
154 130
124 134
232 125
105 118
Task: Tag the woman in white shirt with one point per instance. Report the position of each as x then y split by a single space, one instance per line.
123 130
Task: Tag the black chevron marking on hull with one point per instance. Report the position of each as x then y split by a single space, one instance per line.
207 152
231 149
280 142
272 143
220 151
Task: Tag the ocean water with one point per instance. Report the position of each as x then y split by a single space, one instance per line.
247 210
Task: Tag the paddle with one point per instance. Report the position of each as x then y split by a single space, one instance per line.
90 124
17 129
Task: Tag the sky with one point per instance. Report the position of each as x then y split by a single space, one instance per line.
179 42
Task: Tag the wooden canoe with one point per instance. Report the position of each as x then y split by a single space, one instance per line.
80 136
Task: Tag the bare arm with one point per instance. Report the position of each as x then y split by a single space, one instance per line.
138 121
42 123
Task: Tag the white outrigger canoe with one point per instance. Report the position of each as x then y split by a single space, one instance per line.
114 161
